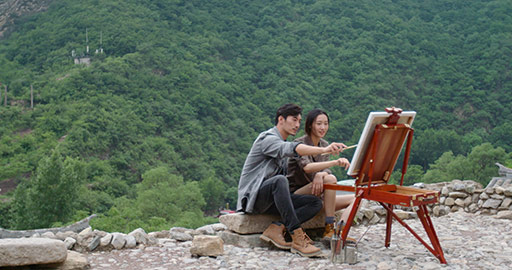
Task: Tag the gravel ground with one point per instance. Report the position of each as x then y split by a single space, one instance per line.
468 241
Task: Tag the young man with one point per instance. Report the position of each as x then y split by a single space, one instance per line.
263 186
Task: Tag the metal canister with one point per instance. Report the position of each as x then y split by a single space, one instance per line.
351 254
337 254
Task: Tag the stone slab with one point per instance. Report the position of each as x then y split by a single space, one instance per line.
249 224
243 240
27 251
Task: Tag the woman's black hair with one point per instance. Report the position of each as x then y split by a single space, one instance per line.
287 110
310 118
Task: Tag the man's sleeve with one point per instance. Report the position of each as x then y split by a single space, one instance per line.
273 146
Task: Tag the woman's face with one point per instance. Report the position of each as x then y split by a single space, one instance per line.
320 126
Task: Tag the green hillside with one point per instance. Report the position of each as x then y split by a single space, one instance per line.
155 131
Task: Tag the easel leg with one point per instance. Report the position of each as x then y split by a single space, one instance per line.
389 221
431 232
346 229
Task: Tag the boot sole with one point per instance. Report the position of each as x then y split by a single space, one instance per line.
267 239
306 254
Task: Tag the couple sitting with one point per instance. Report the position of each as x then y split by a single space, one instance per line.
293 190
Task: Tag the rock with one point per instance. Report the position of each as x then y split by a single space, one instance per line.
27 251
456 194
89 240
473 208
181 236
368 213
219 227
497 197
248 223
105 240
242 240
445 191
436 211
468 201
402 214
206 229
507 214
484 196
449 201
459 186
442 199
118 240
74 261
375 219
480 203
180 229
207 245
49 235
130 241
379 210
459 202
499 190
508 191
159 234
63 235
141 237
506 202
85 231
475 197
492 203
94 243
69 242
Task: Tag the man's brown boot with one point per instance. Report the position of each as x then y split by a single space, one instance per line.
301 244
275 234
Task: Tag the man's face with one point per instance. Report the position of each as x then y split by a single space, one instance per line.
291 124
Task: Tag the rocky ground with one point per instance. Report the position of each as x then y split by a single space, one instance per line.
469 242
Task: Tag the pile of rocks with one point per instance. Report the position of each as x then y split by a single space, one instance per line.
467 195
495 199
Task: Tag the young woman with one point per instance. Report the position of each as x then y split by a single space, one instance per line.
307 174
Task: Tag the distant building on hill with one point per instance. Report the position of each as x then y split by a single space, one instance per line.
85 58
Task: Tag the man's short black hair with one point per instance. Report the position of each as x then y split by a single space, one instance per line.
287 110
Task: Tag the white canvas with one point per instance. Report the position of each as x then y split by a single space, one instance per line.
374 119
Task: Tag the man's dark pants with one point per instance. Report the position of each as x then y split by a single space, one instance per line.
274 197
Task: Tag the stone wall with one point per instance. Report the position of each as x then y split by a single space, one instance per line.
457 195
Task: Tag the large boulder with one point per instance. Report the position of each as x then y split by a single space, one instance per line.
248 223
27 251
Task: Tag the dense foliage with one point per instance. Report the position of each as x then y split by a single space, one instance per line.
155 131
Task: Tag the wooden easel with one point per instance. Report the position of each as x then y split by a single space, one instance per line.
378 159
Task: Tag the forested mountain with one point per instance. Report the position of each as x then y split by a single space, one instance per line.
155 130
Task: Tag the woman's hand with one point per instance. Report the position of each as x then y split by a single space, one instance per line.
343 162
317 186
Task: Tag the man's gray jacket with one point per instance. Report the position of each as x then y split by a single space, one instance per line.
267 158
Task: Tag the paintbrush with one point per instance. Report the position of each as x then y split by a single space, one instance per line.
348 147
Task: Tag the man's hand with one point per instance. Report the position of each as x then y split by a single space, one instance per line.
335 148
343 162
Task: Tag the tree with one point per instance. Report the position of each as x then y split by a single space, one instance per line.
214 192
479 165
163 200
414 175
51 196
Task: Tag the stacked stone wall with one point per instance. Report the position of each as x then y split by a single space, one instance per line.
457 195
